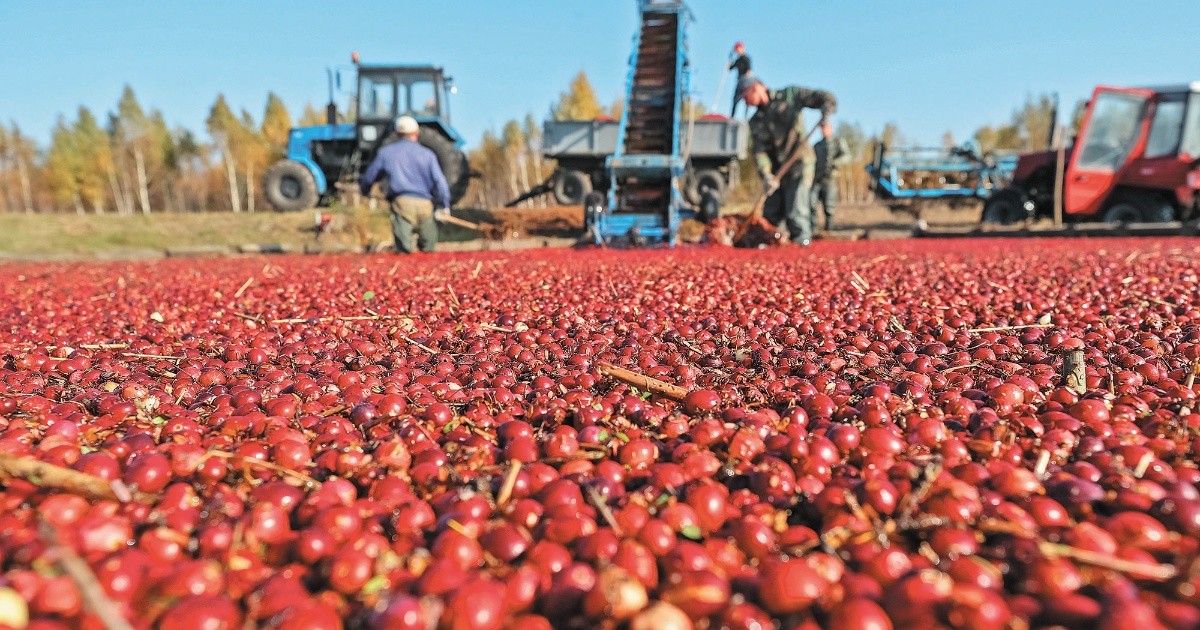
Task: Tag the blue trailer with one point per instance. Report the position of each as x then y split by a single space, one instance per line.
906 178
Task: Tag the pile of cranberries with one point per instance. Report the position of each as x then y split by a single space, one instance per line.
873 435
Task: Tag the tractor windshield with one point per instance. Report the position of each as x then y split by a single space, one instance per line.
1111 132
419 95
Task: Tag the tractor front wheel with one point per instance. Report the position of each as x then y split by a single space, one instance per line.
289 186
1005 207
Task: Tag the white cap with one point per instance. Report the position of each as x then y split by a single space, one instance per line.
406 125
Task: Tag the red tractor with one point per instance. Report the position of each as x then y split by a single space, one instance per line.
1135 160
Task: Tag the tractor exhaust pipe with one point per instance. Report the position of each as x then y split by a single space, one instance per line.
331 108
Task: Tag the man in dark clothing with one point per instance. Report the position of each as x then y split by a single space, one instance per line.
832 153
777 134
416 187
741 62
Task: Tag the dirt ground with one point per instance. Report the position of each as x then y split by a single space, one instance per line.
355 229
567 221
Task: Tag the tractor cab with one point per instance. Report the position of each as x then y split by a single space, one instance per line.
1137 144
388 92
1134 160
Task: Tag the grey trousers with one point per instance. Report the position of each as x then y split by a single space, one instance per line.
790 207
824 192
409 214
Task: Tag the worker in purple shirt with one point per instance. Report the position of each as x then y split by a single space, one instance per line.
417 188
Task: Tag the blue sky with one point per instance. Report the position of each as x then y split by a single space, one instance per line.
929 66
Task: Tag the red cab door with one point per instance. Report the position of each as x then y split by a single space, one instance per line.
1114 128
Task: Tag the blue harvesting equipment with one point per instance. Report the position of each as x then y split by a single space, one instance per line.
907 177
645 202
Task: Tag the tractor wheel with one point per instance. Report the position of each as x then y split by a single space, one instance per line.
1005 207
289 186
702 181
452 160
1135 208
571 187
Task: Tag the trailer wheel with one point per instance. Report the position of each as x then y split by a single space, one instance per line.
710 207
1005 207
704 181
289 186
570 187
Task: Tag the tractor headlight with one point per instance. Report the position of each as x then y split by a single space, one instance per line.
370 134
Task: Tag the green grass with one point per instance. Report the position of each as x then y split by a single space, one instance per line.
72 234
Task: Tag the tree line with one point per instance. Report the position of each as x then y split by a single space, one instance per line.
130 160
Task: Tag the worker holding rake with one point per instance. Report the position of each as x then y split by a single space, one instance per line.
780 144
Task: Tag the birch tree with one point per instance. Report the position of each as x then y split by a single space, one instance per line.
140 143
222 126
17 156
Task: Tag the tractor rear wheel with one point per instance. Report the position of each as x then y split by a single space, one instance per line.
289 186
452 160
1005 207
1136 208
571 187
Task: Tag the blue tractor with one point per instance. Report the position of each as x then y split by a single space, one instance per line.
323 160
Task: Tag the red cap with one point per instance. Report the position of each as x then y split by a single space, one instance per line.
739 45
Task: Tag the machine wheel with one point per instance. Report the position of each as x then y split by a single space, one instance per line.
1006 207
452 160
710 207
1135 208
289 186
571 187
702 181
593 207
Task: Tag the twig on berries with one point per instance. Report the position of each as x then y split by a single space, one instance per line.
641 381
52 477
95 599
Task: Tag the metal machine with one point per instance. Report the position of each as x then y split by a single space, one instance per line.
656 166
645 197
1135 160
323 159
909 177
